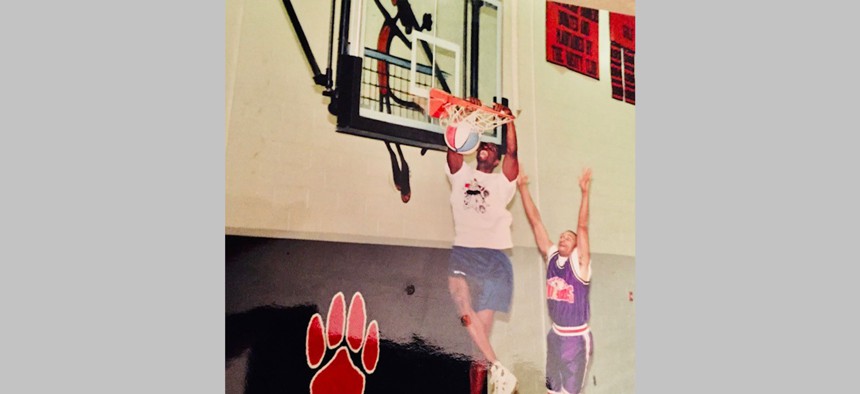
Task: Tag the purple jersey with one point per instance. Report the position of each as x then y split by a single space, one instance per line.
566 292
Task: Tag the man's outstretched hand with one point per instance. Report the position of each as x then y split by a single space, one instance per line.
585 180
502 108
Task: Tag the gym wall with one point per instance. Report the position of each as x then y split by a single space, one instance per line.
290 175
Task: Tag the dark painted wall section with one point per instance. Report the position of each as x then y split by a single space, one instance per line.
287 272
405 289
271 285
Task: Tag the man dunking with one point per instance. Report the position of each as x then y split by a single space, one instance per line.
482 227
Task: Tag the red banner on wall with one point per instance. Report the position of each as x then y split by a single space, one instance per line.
572 38
622 34
622 29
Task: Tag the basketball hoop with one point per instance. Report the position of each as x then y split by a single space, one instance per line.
452 111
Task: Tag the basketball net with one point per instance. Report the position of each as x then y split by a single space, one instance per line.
453 111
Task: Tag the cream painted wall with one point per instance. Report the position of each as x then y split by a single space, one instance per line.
571 121
289 174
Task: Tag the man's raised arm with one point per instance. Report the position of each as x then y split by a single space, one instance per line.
532 213
582 224
510 163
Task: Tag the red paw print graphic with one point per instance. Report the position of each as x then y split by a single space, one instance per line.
340 375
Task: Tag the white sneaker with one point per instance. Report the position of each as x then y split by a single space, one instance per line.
501 379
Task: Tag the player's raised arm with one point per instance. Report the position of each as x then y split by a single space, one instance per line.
510 163
582 225
532 213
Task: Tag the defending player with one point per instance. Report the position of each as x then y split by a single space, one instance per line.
569 343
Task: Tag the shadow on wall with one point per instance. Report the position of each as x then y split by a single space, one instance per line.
275 337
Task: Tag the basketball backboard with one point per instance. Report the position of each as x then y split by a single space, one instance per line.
396 50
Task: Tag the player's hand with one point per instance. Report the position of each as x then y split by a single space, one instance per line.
585 179
502 108
474 100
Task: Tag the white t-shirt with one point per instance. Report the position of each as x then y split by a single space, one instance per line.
479 202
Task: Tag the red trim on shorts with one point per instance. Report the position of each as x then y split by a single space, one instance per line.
570 331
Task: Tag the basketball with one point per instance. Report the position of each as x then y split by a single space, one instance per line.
462 138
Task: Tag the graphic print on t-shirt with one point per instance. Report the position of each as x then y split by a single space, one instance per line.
559 290
475 196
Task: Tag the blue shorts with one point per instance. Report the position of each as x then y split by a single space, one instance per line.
489 273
